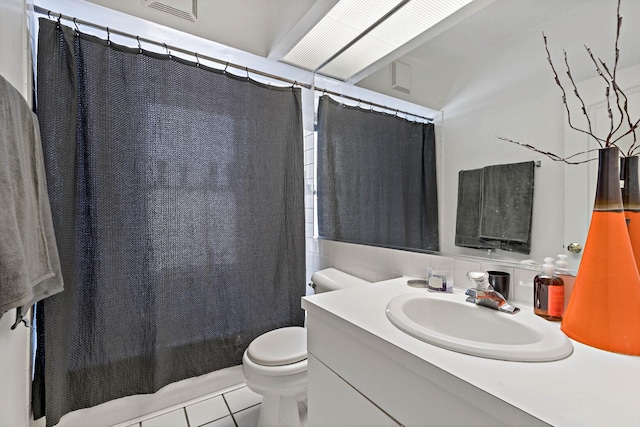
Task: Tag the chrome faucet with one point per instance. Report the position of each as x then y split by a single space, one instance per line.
484 294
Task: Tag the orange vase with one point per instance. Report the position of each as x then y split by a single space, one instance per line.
604 308
631 203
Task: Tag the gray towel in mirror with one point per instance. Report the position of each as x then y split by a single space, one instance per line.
468 212
507 202
495 206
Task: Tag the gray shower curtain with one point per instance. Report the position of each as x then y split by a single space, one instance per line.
177 199
376 178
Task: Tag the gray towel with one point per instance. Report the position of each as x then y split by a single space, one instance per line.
495 206
507 202
29 263
468 211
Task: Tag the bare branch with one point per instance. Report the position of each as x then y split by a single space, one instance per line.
564 96
584 107
617 50
631 130
622 104
625 107
616 90
620 95
607 93
633 146
550 155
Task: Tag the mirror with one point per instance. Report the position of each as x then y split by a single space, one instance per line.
489 77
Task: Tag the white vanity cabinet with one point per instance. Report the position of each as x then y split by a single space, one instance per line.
358 379
337 404
365 371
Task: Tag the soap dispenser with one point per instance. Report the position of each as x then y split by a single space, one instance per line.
548 293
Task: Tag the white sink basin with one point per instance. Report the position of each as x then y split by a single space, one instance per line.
450 322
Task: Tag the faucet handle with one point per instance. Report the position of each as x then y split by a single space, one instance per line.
479 279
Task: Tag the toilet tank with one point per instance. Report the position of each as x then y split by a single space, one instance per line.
331 279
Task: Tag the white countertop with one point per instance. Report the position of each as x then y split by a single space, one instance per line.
589 388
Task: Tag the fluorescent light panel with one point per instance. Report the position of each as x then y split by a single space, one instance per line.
344 22
337 29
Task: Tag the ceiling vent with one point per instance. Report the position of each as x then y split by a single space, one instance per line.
184 9
401 77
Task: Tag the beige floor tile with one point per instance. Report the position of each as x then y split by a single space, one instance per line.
222 422
206 411
175 418
242 398
247 417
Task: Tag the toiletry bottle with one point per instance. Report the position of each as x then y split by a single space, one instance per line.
562 264
548 293
568 279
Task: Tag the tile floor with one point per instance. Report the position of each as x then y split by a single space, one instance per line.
234 407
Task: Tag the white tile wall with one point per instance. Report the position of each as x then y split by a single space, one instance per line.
376 264
522 285
462 267
385 259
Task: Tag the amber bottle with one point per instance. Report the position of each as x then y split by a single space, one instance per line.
548 293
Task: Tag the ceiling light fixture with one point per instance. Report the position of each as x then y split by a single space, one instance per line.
356 33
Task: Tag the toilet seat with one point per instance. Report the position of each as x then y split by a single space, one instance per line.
275 364
279 347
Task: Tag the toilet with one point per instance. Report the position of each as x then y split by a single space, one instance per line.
275 363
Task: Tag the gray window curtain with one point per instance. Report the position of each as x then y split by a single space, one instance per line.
177 200
376 178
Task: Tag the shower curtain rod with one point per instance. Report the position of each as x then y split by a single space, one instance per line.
42 11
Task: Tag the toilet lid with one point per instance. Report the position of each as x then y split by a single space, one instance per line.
279 347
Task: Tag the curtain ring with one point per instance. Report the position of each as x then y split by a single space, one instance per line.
225 68
59 18
139 45
197 59
247 70
75 22
295 82
49 14
108 37
167 49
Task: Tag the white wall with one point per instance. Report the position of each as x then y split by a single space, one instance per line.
14 345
